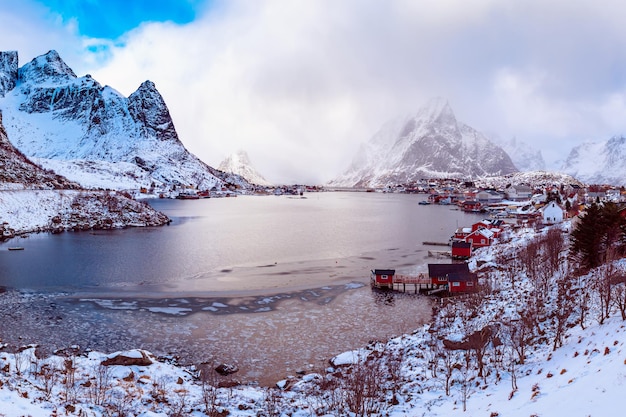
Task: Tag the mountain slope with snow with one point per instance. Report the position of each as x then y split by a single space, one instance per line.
18 172
598 162
523 155
68 122
239 163
431 144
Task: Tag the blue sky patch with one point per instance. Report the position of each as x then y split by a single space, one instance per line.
109 19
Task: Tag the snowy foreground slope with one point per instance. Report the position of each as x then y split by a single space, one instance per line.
406 376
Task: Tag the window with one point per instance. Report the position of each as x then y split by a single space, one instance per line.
383 277
456 284
470 284
443 279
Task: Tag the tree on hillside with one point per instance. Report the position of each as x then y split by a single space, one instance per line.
599 231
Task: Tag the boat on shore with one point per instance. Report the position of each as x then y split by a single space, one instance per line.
16 248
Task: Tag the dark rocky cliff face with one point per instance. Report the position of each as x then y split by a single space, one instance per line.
8 71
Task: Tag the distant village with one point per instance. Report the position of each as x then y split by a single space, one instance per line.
511 207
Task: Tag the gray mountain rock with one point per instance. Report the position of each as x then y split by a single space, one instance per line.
431 144
598 162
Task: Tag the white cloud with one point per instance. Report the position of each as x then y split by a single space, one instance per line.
300 84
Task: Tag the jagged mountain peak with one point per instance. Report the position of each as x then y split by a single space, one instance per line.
431 144
147 107
436 111
46 68
239 163
96 136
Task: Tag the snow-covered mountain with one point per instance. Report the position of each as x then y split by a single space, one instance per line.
33 199
239 163
598 162
523 155
18 172
94 135
431 144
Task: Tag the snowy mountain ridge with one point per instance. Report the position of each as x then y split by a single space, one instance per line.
523 155
601 162
239 163
68 122
431 144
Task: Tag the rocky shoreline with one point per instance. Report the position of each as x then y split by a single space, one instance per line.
55 211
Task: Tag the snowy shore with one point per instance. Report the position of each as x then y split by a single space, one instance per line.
28 211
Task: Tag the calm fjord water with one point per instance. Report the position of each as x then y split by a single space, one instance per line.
243 244
272 284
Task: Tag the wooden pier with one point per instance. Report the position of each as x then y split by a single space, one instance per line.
419 282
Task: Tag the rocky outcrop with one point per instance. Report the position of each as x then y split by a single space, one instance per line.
129 358
8 71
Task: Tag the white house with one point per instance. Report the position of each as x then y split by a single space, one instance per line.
552 213
518 192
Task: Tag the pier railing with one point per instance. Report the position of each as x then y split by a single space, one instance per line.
411 279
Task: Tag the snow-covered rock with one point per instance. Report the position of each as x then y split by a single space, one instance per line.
598 162
431 144
8 71
239 163
69 122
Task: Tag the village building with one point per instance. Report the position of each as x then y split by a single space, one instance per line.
489 197
462 283
461 233
461 250
518 192
480 238
456 277
552 213
382 278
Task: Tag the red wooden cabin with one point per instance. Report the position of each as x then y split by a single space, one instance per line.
382 278
462 283
461 250
439 273
480 238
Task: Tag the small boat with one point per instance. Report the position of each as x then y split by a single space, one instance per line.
16 248
187 195
424 203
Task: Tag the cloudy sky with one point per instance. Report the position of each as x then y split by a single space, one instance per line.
300 84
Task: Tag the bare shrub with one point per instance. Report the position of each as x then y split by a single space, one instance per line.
99 386
363 387
209 380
